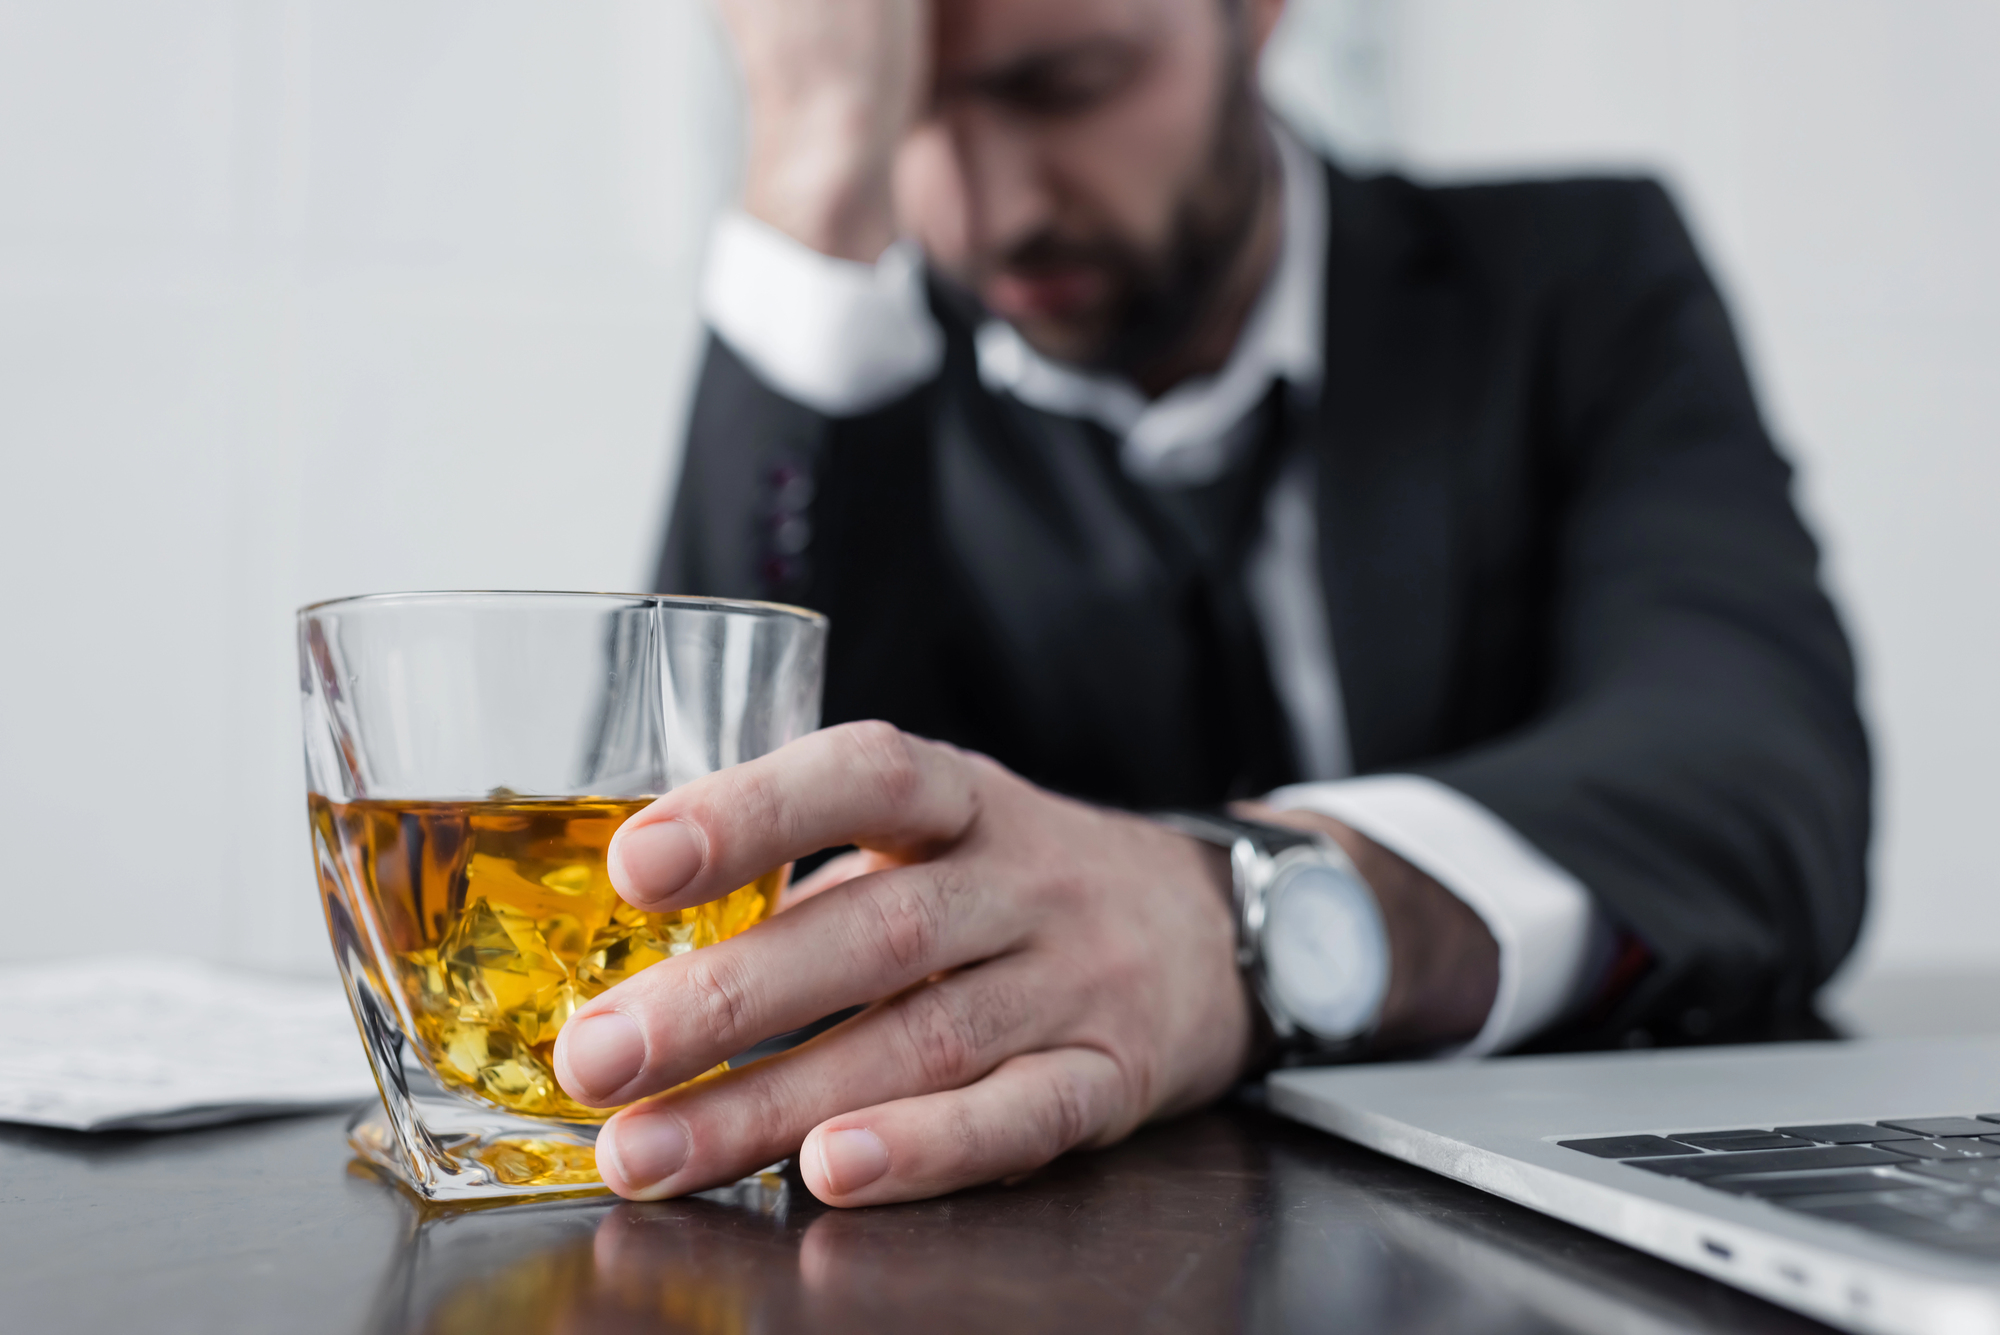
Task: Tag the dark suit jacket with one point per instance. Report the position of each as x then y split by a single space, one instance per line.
1561 564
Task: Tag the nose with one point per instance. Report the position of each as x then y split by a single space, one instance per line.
978 183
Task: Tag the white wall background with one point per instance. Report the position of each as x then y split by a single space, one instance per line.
300 299
1840 161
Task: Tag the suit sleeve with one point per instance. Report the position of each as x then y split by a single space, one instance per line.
746 445
803 349
1698 762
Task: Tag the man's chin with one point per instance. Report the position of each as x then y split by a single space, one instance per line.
1079 343
1063 317
1061 344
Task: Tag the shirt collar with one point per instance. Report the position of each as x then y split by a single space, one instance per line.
1187 436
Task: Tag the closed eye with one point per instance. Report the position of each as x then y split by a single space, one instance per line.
1063 82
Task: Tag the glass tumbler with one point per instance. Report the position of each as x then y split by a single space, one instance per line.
468 757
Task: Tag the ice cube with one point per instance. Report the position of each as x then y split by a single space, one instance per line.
499 961
572 879
617 951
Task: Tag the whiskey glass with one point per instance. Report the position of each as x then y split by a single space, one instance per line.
468 758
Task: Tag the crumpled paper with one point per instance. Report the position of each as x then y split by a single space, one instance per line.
140 1044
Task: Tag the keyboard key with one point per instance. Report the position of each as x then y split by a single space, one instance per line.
1937 1127
1847 1133
1773 1161
1926 1181
1731 1142
1802 1184
1627 1147
1958 1147
1974 1172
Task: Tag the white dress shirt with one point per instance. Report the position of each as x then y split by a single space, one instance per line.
842 338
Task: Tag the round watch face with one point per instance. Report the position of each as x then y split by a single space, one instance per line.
1326 957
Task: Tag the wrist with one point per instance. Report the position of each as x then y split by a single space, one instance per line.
1255 1046
1310 943
822 175
1444 965
1217 1028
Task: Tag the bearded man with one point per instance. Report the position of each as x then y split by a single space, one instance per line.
1423 543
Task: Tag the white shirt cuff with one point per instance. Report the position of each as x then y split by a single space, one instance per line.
836 335
1544 920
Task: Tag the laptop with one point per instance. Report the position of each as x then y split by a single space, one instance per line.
1857 1182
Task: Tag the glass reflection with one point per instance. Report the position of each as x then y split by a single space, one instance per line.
1229 1220
700 1266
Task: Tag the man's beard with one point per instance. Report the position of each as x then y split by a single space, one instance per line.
1159 298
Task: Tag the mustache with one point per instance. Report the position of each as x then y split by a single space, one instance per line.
1048 251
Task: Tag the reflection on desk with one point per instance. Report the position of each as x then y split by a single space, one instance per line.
1231 1219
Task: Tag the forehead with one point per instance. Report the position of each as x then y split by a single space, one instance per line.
976 36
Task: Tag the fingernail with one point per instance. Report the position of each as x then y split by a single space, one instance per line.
851 1159
645 1150
649 863
602 1054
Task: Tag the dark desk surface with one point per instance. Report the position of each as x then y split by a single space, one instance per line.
1228 1220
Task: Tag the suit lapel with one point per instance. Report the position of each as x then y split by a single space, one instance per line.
1392 414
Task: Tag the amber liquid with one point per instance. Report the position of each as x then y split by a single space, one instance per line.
501 921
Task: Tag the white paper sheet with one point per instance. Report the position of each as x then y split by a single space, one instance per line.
156 1045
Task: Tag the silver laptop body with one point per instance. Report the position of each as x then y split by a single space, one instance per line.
1899 1234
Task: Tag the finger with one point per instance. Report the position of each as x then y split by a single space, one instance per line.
1029 1110
939 1036
837 871
871 938
860 783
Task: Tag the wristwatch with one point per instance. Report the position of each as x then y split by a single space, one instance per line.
1309 934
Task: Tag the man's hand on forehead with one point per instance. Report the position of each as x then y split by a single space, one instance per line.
833 88
1038 975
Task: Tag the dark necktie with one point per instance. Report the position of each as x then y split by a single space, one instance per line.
1208 532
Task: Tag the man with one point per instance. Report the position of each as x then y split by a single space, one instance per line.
1132 448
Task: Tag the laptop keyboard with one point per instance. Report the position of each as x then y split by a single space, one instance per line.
1928 1180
